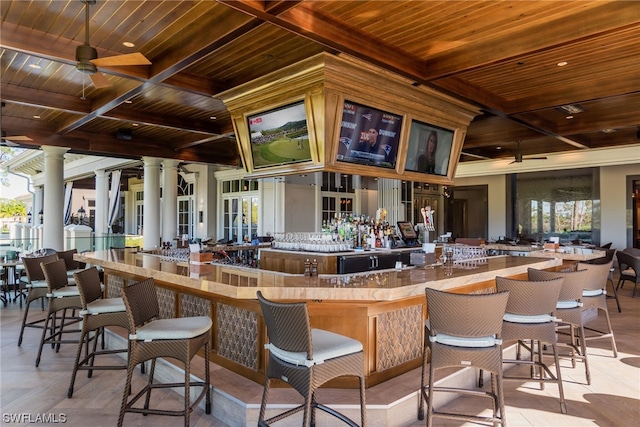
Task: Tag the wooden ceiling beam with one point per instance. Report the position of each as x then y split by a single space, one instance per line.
133 115
42 99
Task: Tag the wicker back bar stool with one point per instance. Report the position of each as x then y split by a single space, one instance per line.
97 312
594 295
307 358
569 311
36 289
530 321
463 330
150 338
61 298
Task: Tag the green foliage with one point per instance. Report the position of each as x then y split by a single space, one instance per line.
6 153
10 208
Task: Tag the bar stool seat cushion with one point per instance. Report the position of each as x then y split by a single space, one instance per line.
180 328
523 318
326 345
37 284
593 292
65 291
107 305
568 304
469 342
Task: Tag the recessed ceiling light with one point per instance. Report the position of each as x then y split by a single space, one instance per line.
562 63
213 117
35 116
128 44
35 66
499 147
136 124
128 101
608 130
569 117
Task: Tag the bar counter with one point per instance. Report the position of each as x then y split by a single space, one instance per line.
385 310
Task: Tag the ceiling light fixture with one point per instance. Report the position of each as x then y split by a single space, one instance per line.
569 117
562 63
35 66
608 130
213 117
572 108
35 116
128 44
128 101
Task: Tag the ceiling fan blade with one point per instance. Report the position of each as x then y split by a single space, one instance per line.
535 158
18 138
99 80
122 60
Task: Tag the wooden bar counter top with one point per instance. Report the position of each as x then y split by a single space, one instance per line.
385 309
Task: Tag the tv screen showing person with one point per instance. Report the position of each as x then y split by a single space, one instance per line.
368 136
429 149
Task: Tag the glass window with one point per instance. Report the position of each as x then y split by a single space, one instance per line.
556 204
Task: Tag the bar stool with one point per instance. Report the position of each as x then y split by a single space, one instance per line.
594 295
150 338
71 264
307 358
36 289
464 330
61 297
97 312
530 317
569 310
608 259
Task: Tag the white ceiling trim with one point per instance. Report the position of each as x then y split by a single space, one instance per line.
568 160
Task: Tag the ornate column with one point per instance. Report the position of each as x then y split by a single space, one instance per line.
169 199
53 225
151 226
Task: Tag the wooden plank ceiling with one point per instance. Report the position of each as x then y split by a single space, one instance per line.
503 56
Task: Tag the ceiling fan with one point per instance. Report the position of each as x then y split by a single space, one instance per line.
88 61
519 157
11 141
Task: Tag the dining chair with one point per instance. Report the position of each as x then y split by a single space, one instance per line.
629 265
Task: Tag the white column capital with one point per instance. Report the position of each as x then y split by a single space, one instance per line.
53 151
151 161
170 163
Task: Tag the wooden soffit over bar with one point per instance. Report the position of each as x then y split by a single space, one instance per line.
324 87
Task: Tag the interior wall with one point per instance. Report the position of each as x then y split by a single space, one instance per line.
616 209
496 202
300 212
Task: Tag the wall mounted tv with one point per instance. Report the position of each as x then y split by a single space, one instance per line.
429 149
431 152
368 136
279 136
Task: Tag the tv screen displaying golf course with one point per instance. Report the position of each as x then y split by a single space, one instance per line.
279 136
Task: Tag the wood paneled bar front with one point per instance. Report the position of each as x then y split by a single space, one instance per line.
385 309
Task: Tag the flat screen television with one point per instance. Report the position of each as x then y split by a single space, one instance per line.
368 136
279 136
407 231
429 149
